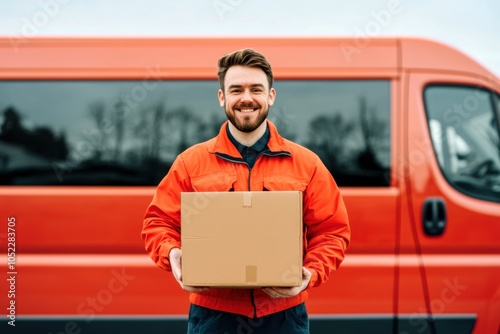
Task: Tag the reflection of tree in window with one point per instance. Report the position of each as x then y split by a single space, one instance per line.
40 141
144 150
372 130
107 123
210 128
283 119
351 149
99 137
181 128
119 114
12 130
327 136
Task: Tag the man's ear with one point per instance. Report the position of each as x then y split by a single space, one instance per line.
272 96
220 95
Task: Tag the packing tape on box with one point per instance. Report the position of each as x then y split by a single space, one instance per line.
247 199
251 274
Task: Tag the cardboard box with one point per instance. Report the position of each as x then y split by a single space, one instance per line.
241 239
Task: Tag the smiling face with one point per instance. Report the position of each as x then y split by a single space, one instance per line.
246 97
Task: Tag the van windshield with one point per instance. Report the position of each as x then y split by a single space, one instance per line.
464 126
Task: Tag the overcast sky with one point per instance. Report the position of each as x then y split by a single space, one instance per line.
470 26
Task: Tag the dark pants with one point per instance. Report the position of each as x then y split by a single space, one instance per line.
206 321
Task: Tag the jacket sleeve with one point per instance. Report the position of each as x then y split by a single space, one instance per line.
327 226
161 228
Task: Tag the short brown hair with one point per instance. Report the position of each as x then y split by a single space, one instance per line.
244 57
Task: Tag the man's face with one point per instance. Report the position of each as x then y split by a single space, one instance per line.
246 97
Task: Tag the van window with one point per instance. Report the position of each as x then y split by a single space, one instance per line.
129 132
463 123
346 122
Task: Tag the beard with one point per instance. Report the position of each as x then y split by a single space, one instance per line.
245 124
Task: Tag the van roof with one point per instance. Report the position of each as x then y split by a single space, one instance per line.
197 57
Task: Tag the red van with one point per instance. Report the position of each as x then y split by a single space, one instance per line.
409 128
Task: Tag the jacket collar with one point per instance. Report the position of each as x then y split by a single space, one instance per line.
259 146
223 144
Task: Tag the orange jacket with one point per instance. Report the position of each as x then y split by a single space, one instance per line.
216 165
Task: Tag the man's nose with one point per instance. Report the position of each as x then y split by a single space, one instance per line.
246 97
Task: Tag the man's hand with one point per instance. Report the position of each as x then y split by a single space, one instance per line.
277 292
175 258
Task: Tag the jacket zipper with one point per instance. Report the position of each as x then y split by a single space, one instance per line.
270 154
239 161
252 300
249 176
252 291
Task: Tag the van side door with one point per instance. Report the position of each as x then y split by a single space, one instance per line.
453 175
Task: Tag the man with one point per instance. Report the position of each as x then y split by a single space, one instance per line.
249 155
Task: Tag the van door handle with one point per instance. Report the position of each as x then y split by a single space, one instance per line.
434 216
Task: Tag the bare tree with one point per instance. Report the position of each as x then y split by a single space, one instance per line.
156 133
98 136
119 114
182 127
372 130
327 136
